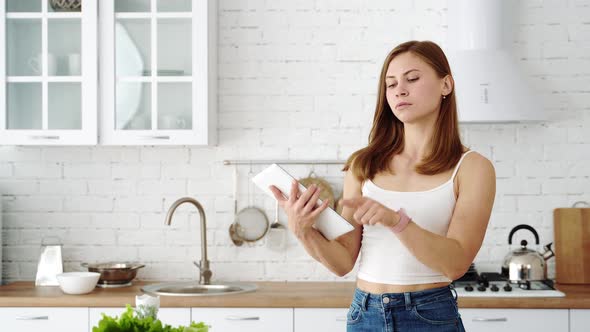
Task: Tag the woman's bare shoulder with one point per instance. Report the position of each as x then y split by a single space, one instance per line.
475 165
352 185
475 158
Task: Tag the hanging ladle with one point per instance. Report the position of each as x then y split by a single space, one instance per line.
276 223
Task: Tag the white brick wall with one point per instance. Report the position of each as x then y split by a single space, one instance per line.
297 79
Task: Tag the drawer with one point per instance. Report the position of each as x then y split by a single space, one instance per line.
44 319
246 319
493 320
320 319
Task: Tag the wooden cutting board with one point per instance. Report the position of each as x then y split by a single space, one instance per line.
572 245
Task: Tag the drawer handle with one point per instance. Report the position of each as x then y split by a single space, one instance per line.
157 137
26 317
44 137
341 319
242 318
482 319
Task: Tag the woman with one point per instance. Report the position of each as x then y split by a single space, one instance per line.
420 202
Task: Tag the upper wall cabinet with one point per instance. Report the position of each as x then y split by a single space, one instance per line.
48 72
158 72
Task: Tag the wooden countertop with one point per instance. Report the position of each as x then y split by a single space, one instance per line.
268 294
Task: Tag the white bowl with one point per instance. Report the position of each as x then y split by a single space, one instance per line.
77 282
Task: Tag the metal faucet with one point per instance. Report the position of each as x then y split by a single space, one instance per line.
205 272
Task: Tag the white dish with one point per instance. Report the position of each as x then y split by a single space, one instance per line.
77 282
329 222
128 62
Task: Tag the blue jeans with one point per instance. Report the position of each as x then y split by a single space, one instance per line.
428 310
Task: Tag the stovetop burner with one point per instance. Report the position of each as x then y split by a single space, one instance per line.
491 284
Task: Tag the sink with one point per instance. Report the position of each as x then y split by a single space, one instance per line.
195 289
202 287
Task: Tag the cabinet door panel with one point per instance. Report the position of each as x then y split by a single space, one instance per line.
320 319
23 6
174 103
64 105
174 47
24 105
133 48
579 320
23 47
158 68
136 95
48 73
131 6
174 5
44 319
64 45
245 319
493 320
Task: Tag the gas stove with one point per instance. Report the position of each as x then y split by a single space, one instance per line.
491 284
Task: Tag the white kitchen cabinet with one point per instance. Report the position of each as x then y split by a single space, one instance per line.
170 316
320 319
48 73
44 319
245 319
493 320
579 320
158 72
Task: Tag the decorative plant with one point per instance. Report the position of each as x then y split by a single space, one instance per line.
142 321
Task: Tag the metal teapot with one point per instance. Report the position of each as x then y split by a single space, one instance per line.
523 264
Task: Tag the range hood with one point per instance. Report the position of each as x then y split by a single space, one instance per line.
490 86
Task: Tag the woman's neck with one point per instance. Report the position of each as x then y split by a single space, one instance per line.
417 140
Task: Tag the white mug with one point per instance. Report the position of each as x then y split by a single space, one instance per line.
35 64
74 64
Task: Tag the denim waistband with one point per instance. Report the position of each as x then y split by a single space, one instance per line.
406 299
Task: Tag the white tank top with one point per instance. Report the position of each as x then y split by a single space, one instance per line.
384 259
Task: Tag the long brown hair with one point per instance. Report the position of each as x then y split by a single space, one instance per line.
386 138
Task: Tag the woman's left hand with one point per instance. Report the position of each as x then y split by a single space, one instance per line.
370 212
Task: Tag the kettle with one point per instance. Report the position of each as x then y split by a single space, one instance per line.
523 264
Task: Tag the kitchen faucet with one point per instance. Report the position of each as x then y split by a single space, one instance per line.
205 272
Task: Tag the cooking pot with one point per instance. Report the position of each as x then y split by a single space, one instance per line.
113 274
524 264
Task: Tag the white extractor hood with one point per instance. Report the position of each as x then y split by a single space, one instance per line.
490 86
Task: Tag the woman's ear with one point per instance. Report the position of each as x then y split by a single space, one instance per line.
448 84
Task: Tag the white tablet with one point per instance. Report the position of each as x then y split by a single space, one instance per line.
329 222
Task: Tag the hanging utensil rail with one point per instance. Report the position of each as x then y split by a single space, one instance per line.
285 162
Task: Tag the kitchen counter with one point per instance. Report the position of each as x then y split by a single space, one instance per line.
268 294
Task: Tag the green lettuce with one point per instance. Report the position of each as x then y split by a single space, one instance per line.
130 322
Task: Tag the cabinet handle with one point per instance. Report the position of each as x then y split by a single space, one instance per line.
27 317
482 319
156 137
341 319
44 137
242 318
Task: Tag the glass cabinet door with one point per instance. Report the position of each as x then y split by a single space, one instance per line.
48 66
156 57
150 50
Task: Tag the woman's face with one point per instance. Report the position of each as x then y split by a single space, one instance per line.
413 89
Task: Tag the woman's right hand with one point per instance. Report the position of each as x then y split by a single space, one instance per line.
300 208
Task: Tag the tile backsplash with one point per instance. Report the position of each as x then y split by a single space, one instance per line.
297 80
